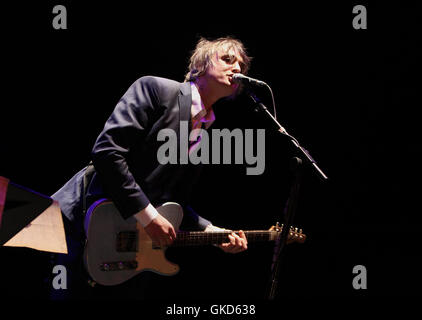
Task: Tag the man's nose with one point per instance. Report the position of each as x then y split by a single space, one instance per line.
236 67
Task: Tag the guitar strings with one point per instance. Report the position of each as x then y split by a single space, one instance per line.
202 236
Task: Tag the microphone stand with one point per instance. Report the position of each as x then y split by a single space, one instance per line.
293 140
289 212
290 208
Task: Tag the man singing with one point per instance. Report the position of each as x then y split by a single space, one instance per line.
124 158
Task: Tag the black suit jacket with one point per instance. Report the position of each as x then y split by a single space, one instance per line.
125 154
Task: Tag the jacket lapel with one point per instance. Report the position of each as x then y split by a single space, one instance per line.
185 124
185 103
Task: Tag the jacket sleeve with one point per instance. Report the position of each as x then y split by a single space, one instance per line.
192 221
126 125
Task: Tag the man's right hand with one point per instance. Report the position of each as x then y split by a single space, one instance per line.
161 231
158 228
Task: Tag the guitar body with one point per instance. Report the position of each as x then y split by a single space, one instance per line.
118 249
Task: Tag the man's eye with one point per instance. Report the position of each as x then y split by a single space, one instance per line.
228 59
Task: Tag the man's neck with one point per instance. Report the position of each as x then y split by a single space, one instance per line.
208 96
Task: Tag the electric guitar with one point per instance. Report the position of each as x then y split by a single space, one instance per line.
117 249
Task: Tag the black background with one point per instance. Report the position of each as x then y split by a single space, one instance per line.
349 96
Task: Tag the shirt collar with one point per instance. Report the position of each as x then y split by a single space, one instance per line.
198 111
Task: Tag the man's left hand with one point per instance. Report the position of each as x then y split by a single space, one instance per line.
237 243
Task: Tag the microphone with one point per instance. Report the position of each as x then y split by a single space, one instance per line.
241 78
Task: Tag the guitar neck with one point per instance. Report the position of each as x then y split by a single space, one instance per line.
196 238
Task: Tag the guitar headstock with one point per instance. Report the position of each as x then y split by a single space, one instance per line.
294 235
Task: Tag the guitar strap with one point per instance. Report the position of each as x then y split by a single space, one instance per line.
89 172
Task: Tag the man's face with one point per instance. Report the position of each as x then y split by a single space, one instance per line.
225 64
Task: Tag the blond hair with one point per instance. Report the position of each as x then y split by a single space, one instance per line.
201 58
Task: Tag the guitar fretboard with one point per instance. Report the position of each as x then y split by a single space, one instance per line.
193 238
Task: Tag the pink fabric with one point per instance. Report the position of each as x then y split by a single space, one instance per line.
199 116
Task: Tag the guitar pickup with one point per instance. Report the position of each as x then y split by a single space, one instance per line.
119 265
127 241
